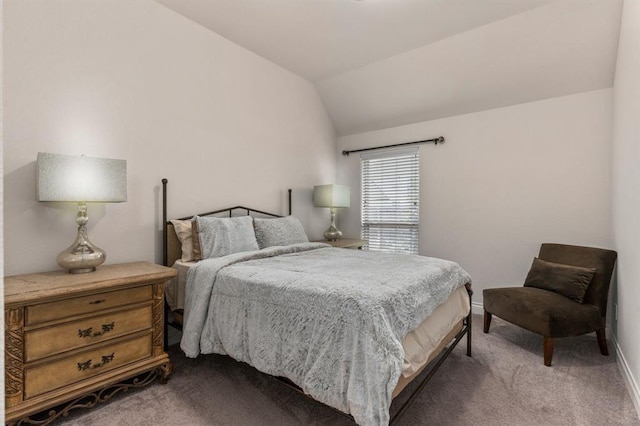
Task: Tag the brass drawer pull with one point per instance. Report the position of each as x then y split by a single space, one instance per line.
88 332
86 365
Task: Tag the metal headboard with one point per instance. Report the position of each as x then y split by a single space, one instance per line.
166 223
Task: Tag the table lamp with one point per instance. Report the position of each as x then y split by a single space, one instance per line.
82 180
332 196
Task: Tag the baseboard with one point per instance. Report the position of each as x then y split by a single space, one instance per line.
627 375
477 308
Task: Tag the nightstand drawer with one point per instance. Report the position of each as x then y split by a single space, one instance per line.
56 374
88 304
47 341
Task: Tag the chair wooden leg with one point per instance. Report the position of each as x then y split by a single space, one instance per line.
487 321
547 343
602 341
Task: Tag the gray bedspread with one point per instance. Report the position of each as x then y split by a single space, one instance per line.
331 320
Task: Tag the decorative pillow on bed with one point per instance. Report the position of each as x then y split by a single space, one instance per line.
185 236
221 236
281 231
567 280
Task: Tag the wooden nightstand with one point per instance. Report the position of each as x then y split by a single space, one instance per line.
351 243
80 336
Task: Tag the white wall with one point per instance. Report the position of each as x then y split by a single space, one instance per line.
133 80
626 194
505 181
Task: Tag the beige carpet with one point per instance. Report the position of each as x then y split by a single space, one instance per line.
504 383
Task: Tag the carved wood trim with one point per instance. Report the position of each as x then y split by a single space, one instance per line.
91 399
158 319
166 370
14 356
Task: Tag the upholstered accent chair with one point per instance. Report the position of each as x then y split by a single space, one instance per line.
565 294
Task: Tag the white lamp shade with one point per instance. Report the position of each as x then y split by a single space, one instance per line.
331 196
81 179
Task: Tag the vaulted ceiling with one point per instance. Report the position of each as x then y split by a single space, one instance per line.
384 63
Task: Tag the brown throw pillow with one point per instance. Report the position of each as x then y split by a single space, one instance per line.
567 280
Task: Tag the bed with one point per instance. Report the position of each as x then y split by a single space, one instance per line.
350 328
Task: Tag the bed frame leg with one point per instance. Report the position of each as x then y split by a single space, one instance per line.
438 361
469 334
470 292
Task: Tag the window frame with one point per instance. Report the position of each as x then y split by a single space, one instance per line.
390 200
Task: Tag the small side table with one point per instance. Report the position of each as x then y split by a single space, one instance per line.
350 243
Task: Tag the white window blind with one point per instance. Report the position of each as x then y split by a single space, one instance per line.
390 200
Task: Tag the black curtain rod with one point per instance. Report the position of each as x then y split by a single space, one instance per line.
439 139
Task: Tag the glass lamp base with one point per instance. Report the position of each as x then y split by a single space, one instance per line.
82 256
332 233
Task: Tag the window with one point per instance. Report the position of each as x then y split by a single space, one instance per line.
390 200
